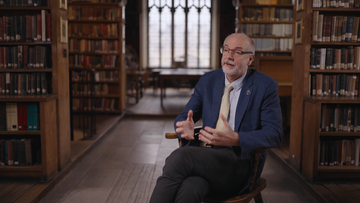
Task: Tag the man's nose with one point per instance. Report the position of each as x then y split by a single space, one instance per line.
231 54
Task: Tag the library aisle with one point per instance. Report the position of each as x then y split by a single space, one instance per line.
125 164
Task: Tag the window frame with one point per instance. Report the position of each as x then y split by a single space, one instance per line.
172 10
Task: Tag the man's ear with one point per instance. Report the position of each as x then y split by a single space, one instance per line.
251 58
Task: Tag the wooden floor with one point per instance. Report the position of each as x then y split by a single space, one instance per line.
26 191
123 164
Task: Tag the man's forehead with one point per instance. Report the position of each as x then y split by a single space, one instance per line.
236 41
233 47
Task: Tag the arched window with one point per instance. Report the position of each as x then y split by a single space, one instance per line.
179 33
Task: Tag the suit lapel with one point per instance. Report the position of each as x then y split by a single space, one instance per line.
218 91
243 99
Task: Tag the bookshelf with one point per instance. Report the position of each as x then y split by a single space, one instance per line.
97 45
325 101
270 26
33 70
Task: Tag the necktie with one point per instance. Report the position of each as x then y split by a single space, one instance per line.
225 107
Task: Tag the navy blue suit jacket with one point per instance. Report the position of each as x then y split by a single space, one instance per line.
258 119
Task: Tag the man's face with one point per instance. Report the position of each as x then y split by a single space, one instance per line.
235 65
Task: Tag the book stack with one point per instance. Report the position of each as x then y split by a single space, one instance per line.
98 46
19 117
267 14
20 152
340 118
100 104
334 85
23 3
91 13
36 28
267 2
91 61
24 83
328 28
339 152
341 58
24 57
267 29
269 44
336 3
94 30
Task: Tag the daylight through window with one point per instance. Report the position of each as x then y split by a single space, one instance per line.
179 33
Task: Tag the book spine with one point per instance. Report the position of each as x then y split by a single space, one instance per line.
43 25
48 27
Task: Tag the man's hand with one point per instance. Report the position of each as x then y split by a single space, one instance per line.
186 128
224 137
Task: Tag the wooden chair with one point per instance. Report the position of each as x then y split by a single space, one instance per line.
254 189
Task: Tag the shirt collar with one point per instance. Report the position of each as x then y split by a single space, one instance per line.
237 84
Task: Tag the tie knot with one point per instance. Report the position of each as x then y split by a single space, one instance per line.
229 87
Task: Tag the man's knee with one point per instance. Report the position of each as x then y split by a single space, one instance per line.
193 188
179 156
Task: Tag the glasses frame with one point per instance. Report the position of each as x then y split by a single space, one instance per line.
233 51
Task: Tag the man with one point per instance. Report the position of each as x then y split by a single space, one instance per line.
254 121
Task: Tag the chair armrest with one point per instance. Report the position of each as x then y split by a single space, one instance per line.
171 136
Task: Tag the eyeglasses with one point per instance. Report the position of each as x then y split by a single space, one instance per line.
236 52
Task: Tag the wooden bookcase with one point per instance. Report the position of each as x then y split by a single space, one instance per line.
271 26
307 109
97 44
53 107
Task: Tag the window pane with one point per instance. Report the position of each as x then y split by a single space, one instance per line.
205 28
192 38
179 33
166 37
197 37
154 37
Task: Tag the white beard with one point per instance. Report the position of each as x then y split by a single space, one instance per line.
234 70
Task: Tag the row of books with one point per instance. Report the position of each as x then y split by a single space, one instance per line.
273 2
336 3
97 1
269 44
334 85
23 28
24 84
339 152
265 54
19 117
24 57
24 3
327 28
267 14
20 152
345 58
93 30
98 89
86 61
91 13
98 46
267 29
100 104
99 76
340 118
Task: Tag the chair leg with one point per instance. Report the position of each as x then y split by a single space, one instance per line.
258 198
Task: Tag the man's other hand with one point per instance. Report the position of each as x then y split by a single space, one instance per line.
186 128
223 137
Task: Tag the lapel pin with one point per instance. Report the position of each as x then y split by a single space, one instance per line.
248 92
